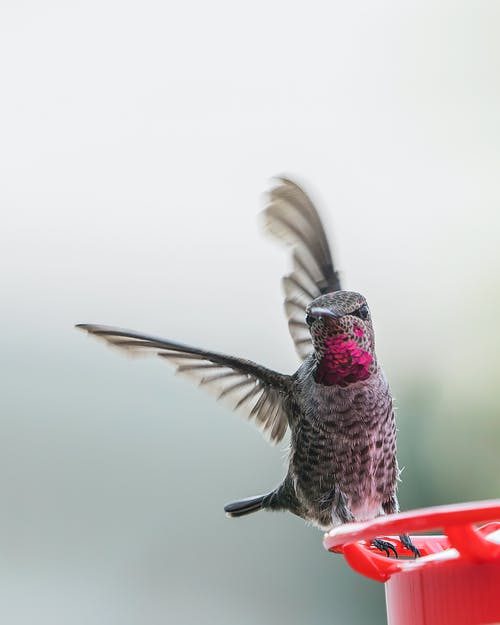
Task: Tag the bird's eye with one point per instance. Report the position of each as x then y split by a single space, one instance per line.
309 320
362 312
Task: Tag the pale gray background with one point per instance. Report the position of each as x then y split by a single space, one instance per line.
136 139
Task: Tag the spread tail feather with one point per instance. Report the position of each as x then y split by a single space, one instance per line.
245 506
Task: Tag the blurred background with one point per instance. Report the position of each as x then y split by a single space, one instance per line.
136 142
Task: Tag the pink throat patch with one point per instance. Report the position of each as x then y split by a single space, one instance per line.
343 362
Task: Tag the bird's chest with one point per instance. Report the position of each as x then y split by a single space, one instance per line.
346 417
346 442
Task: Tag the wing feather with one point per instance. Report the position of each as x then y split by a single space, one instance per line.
261 392
291 217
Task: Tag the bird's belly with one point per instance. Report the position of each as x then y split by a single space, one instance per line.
339 481
362 483
369 510
367 504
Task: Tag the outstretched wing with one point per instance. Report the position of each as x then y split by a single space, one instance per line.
291 217
257 390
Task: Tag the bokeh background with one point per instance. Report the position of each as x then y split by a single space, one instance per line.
137 139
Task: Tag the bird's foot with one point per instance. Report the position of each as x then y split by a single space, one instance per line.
407 544
386 546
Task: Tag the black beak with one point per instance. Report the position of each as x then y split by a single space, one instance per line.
317 311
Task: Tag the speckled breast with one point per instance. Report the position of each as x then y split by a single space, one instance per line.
343 460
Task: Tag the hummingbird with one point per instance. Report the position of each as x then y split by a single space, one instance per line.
342 464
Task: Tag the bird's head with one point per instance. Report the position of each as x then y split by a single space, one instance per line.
343 338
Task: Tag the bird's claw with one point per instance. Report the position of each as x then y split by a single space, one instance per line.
407 544
386 546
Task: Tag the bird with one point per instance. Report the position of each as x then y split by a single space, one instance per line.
338 407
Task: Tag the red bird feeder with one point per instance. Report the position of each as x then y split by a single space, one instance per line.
457 579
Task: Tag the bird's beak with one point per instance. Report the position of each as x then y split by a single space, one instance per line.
317 311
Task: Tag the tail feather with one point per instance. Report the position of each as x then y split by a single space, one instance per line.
245 506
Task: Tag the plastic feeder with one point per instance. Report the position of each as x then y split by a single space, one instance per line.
457 579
